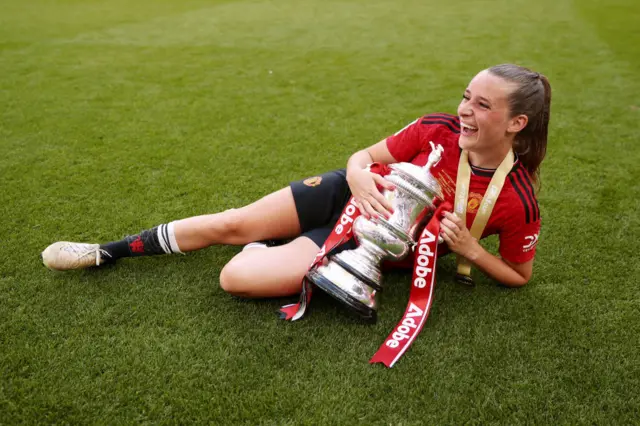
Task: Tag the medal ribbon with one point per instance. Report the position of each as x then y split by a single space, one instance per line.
486 206
422 285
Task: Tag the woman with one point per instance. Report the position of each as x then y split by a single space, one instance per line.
504 108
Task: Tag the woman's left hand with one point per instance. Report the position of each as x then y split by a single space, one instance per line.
458 237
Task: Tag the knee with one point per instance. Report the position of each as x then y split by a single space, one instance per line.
231 227
234 279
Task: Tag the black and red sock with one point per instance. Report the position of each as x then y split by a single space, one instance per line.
158 240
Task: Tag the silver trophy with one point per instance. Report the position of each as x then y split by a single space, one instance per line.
354 276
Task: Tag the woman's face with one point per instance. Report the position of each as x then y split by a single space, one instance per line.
484 113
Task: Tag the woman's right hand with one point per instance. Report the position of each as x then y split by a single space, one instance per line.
369 199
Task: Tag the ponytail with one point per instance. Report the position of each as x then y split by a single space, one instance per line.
532 97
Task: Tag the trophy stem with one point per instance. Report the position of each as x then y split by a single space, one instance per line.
363 263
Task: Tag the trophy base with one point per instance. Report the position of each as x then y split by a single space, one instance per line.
366 310
465 279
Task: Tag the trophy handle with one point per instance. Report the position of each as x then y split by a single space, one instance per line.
435 156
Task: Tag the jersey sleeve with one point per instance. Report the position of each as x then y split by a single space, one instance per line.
518 239
405 144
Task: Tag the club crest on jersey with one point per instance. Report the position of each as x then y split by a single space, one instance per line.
313 181
474 202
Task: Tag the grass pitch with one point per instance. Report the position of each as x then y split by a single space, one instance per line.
116 116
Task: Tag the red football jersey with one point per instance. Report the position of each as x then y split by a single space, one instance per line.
515 217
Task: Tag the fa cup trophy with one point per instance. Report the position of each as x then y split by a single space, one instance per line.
354 276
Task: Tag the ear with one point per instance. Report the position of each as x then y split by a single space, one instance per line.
517 123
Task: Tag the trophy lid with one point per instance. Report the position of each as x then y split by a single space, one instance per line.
418 177
421 177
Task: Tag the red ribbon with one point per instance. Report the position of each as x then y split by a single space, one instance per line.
422 283
421 295
341 233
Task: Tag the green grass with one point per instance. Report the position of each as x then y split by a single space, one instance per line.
116 116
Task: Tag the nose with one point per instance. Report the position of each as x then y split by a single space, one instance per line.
464 110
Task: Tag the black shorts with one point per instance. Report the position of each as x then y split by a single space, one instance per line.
319 202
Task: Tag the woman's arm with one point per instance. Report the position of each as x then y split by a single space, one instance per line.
460 241
363 183
503 271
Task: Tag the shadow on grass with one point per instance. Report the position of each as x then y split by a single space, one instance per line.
194 279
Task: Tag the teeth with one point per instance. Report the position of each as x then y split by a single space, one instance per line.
466 126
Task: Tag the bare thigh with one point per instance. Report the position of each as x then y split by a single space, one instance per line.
269 272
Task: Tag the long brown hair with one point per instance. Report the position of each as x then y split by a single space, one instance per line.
532 97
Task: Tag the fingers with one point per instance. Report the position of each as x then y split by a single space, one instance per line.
381 181
446 223
449 236
456 234
449 229
374 209
448 232
453 218
369 210
379 208
387 208
447 239
363 211
374 204
381 204
368 197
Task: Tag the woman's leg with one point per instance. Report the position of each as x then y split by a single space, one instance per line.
271 217
305 205
269 272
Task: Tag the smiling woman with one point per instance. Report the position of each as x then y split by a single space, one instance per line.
498 140
516 113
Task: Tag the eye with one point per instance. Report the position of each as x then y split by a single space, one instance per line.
465 97
484 105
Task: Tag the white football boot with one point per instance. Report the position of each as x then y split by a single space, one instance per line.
64 255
